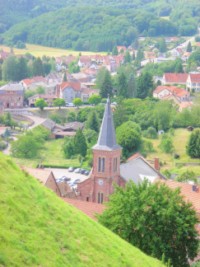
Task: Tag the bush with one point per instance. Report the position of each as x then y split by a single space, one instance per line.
151 133
166 144
3 145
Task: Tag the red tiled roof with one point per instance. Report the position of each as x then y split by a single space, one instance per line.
89 208
175 77
75 85
195 77
173 89
135 156
186 192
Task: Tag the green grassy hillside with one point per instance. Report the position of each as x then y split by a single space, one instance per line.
39 229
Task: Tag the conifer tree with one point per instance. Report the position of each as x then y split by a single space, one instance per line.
122 85
80 145
93 121
106 87
189 47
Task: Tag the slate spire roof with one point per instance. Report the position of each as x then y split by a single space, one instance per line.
107 138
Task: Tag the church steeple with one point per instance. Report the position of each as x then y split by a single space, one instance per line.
107 138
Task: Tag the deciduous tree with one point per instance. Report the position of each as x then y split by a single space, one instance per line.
155 219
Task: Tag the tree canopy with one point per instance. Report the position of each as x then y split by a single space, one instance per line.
193 147
155 219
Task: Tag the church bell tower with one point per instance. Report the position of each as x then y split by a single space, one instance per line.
106 159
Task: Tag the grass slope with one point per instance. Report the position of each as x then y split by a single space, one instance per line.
180 140
39 229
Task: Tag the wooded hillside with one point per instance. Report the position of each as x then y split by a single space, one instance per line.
95 25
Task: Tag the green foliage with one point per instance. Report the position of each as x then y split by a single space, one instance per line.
122 85
151 133
162 46
144 85
187 176
80 145
29 144
3 145
73 67
93 121
144 215
189 47
94 99
114 51
193 147
106 86
166 144
40 103
68 148
37 67
14 69
129 137
40 90
91 136
27 206
59 102
77 102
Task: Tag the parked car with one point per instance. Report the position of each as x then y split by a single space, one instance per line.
82 171
70 105
78 170
77 181
87 172
70 169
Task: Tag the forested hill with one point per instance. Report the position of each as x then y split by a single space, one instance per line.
94 24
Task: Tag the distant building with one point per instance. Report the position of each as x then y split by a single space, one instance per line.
175 78
193 82
69 90
45 177
12 95
47 97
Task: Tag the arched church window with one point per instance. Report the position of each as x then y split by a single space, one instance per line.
101 165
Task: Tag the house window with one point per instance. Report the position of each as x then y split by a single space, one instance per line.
100 197
101 164
115 164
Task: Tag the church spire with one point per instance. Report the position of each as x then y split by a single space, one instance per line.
107 138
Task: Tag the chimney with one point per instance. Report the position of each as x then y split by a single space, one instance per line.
156 164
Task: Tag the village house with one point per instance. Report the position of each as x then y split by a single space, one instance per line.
174 78
33 83
46 177
107 170
69 129
47 97
163 90
137 169
48 83
12 95
87 92
193 82
69 90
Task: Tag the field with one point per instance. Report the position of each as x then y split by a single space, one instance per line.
40 229
39 51
52 155
180 140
